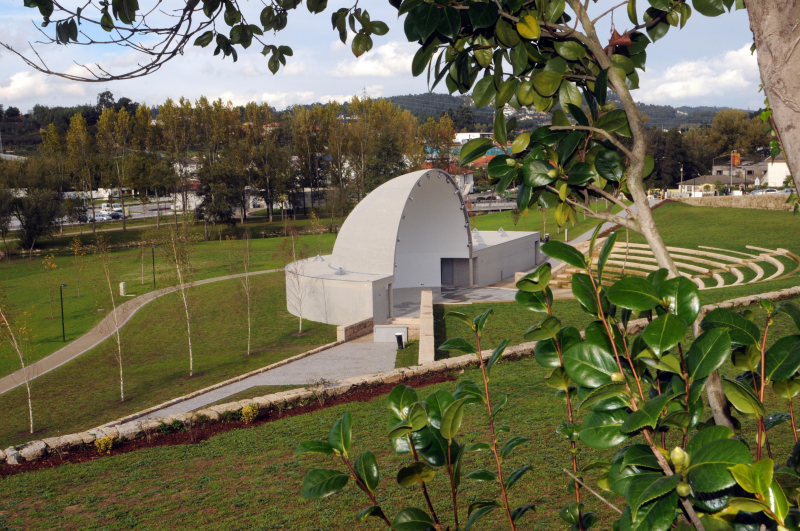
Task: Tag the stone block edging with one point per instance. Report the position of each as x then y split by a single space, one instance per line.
57 445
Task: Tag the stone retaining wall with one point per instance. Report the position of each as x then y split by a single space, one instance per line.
761 201
355 330
427 352
126 429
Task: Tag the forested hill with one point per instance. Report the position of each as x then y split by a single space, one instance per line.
431 104
668 117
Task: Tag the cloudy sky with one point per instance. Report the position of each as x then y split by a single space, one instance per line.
706 63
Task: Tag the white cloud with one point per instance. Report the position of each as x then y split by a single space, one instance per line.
734 72
281 100
23 85
390 60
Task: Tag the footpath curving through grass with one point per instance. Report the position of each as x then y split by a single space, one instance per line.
85 392
24 284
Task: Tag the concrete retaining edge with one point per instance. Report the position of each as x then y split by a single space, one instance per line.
37 449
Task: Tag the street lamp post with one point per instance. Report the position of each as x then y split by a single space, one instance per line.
154 265
63 332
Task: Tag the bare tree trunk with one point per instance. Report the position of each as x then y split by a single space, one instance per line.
25 368
776 33
246 287
106 259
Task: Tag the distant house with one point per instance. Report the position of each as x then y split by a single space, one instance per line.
463 138
706 185
768 172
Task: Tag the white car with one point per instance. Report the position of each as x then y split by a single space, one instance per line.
102 216
117 207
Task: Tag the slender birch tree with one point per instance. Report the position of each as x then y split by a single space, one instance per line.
7 333
178 250
101 244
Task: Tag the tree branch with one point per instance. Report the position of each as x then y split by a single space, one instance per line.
585 486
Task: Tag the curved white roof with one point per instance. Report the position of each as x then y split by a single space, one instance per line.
417 214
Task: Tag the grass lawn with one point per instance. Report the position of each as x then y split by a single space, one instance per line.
248 478
533 222
85 392
25 286
409 356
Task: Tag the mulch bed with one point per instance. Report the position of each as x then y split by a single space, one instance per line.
200 433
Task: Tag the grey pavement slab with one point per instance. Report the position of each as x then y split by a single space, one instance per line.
337 363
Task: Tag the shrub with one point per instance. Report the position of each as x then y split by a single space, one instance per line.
642 394
104 445
232 416
249 413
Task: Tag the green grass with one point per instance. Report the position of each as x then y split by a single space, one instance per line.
24 284
682 225
85 392
249 479
409 356
533 222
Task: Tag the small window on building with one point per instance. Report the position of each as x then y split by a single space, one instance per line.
749 172
719 172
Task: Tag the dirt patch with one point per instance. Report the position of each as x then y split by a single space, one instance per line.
187 377
298 334
201 433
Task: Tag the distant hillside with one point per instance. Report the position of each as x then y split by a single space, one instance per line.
668 117
430 104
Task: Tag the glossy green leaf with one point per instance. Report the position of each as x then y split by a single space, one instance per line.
589 364
565 253
742 398
601 429
547 83
708 469
782 359
366 468
634 293
545 351
683 297
459 344
418 416
709 8
519 511
612 121
340 436
510 444
415 474
742 331
322 482
482 475
607 249
451 419
604 392
663 333
400 399
707 353
438 401
450 23
648 413
483 93
535 173
412 519
482 15
314 447
640 455
786 389
479 510
707 436
581 174
644 489
474 149
609 165
497 353
515 476
534 301
789 308
601 86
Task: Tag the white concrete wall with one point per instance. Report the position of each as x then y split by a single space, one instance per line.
505 259
432 228
332 301
776 173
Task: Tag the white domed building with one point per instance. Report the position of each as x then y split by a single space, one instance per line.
410 234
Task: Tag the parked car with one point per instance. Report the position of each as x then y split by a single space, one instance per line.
788 191
115 215
764 191
101 216
116 207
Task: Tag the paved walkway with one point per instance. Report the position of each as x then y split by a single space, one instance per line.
354 358
100 333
